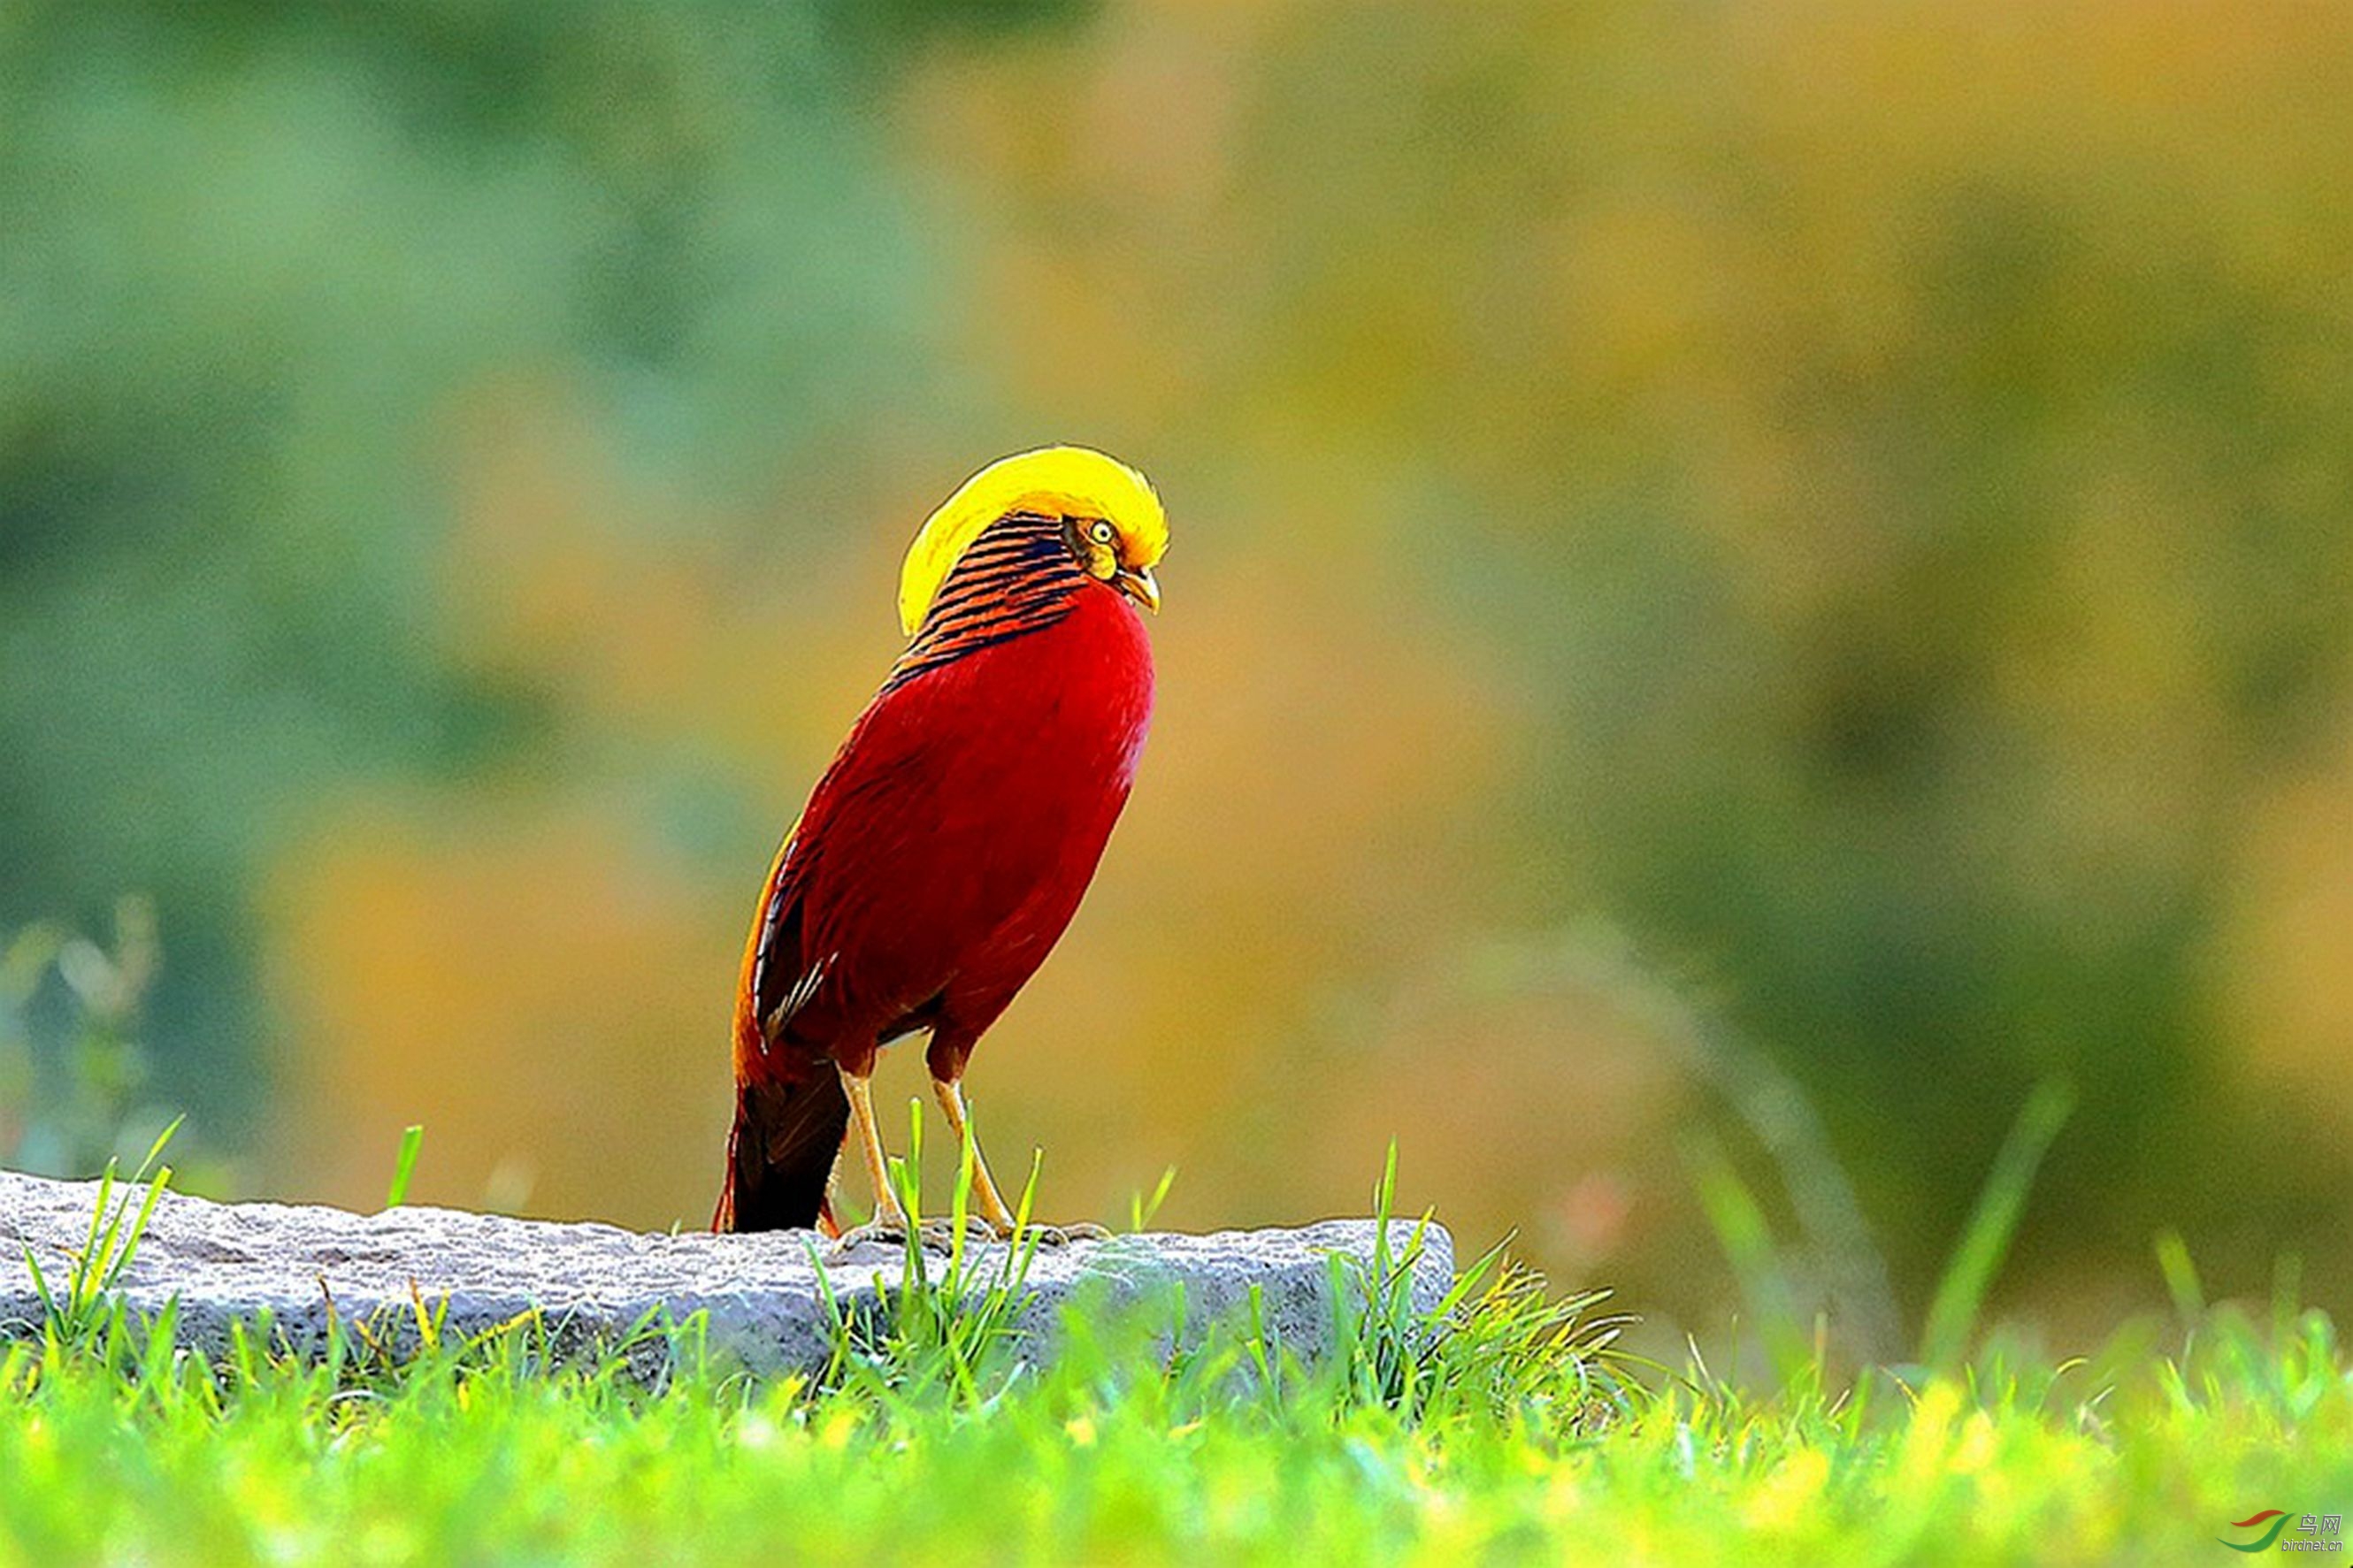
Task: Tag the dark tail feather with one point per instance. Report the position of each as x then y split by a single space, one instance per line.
780 1154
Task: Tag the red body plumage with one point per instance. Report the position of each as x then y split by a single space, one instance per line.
939 858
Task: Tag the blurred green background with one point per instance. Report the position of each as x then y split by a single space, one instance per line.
1750 583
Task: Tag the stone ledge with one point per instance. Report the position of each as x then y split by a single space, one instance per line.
231 1262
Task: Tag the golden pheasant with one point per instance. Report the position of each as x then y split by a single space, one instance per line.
947 845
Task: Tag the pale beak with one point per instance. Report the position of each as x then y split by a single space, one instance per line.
1137 584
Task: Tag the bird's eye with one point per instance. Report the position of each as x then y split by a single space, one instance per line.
1100 532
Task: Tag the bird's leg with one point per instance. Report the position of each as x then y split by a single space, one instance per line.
984 1187
1001 1219
890 1221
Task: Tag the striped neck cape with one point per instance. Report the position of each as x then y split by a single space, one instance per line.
1017 577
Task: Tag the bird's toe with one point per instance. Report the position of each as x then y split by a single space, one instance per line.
873 1233
941 1234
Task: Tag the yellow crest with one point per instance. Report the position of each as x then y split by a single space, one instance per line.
1061 481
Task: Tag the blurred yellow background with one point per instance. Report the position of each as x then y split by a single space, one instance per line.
1765 577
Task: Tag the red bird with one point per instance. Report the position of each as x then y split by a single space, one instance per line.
948 843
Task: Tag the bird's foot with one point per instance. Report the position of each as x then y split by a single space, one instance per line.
940 1234
882 1232
890 1230
1063 1234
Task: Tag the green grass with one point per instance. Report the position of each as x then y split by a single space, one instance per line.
491 1453
403 1165
1503 1427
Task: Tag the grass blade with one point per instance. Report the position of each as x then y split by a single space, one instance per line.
403 1165
1742 1231
1961 1293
